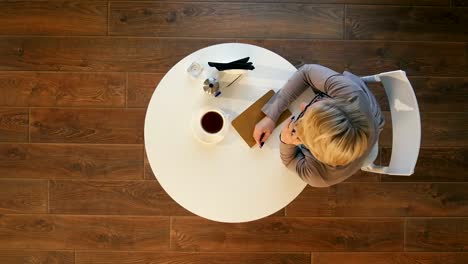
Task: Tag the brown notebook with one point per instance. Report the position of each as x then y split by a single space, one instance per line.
246 121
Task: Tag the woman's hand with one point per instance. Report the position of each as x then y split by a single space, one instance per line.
264 127
288 136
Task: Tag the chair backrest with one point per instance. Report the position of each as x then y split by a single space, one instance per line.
406 124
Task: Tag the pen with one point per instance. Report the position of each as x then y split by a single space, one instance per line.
233 81
261 137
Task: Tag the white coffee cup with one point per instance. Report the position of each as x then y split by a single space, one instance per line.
210 125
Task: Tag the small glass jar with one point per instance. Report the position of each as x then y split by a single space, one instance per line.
195 69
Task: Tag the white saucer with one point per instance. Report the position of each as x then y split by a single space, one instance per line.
200 134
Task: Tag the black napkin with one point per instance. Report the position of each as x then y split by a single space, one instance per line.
242 64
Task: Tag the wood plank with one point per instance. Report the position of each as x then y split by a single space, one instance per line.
441 130
382 199
55 232
141 87
401 2
363 176
406 23
438 130
371 57
97 54
23 196
112 197
14 124
159 55
252 20
434 94
437 234
189 258
37 257
287 235
149 174
460 2
434 165
369 2
62 89
53 18
71 161
390 258
114 126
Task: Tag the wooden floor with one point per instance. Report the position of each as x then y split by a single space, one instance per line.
75 80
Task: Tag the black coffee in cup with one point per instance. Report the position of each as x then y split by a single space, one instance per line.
212 122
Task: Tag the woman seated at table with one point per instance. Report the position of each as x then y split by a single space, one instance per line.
335 132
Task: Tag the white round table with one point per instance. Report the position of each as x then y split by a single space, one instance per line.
228 181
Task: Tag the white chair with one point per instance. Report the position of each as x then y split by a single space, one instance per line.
406 125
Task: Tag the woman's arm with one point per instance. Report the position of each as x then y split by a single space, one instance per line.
309 75
292 156
306 167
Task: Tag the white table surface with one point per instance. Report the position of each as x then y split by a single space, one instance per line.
228 181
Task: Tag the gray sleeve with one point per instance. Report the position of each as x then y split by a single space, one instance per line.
306 167
310 75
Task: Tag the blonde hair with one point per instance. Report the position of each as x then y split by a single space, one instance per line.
335 131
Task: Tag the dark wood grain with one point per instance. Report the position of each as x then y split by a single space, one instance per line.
70 161
97 54
23 196
444 130
438 130
190 258
53 18
141 87
383 199
159 55
390 258
249 20
434 165
437 234
406 23
288 234
36 257
460 2
363 176
434 94
62 89
121 126
112 197
369 2
371 57
14 124
149 174
54 232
